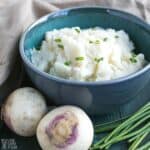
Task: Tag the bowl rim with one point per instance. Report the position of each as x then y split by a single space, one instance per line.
63 12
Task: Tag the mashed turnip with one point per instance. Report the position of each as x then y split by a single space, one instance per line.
92 54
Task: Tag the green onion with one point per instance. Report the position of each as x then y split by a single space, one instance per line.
67 63
116 36
105 39
79 58
107 126
134 129
58 40
97 42
77 30
97 60
114 140
136 124
60 46
90 41
96 145
94 42
137 142
145 147
135 137
133 58
140 114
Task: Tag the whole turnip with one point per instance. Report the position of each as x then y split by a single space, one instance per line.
23 110
65 128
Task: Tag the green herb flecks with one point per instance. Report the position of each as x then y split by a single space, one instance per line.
58 40
77 30
116 36
79 58
105 39
97 42
67 63
97 60
94 42
60 46
90 41
133 58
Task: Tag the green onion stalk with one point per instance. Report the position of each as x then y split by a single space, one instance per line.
134 129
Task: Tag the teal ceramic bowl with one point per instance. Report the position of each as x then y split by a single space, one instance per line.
94 97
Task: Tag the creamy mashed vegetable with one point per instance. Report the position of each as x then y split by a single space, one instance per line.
91 54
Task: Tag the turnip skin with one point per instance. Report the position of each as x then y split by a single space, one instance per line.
23 110
84 131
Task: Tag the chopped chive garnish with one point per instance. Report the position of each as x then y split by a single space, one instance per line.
67 63
61 46
133 58
77 30
58 40
98 59
116 36
79 58
90 41
97 42
105 39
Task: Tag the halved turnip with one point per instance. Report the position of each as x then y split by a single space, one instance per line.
23 110
65 128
